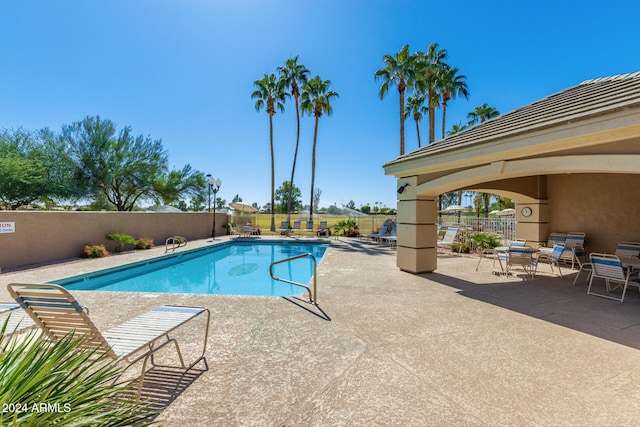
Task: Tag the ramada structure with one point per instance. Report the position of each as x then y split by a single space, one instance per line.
573 158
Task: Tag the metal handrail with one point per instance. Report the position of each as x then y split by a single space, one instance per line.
313 297
176 242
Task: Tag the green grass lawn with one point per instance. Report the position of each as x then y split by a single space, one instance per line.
367 224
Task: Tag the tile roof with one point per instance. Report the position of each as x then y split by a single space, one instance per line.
588 99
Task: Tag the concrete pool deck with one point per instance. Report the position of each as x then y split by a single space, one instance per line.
384 347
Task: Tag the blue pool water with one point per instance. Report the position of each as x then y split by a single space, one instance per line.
234 268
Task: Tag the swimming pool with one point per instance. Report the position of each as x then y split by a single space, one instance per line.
232 268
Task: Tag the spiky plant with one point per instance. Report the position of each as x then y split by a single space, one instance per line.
62 383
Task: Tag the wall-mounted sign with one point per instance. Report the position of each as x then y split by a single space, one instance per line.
7 227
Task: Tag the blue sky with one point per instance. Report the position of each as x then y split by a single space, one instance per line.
182 71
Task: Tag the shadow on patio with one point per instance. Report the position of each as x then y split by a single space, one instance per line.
546 297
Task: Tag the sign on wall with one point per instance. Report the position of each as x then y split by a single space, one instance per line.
7 227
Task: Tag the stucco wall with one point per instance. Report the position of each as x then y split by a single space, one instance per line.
48 236
604 206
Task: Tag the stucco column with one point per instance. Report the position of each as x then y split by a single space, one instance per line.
417 230
532 220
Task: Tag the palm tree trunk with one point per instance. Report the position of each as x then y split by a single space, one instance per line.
418 131
444 117
432 115
313 166
293 169
273 175
401 122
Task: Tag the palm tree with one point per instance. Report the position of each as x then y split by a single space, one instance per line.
270 92
292 73
316 100
482 114
399 69
456 128
451 84
430 64
415 107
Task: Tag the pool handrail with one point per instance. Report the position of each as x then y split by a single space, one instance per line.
313 296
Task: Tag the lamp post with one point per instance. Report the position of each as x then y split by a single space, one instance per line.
214 186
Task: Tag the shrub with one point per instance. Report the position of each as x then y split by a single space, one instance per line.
485 240
75 385
143 243
94 251
460 248
352 233
122 239
348 227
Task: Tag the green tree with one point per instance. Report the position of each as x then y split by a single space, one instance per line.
415 108
35 166
399 69
428 65
197 203
456 128
316 198
293 75
481 114
316 100
269 94
451 84
185 182
123 168
282 197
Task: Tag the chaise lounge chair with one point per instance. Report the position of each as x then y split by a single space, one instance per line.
56 312
448 239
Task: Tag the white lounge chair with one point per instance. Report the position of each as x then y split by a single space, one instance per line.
382 231
553 258
571 240
553 239
284 227
56 312
609 268
323 229
391 239
627 249
448 239
309 227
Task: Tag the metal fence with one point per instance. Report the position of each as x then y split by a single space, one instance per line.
503 227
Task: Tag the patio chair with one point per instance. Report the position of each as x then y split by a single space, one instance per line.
627 249
553 239
384 229
56 312
609 268
522 257
309 227
492 254
323 229
284 227
296 226
571 240
392 238
448 239
518 242
582 258
553 258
